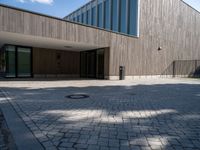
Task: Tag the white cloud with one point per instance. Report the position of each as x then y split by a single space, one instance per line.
49 2
43 1
21 1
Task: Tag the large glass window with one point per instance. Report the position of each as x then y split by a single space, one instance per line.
88 19
133 13
107 14
74 19
83 18
24 62
10 61
2 61
18 61
100 15
123 16
79 18
94 16
115 15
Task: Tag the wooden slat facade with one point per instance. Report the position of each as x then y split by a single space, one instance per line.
56 62
170 24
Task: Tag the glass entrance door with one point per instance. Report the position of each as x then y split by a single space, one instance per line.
92 64
23 62
88 64
100 64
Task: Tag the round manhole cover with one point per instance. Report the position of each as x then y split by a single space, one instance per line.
77 96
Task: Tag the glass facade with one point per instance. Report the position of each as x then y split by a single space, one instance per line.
92 64
115 15
78 18
107 20
24 62
121 16
88 18
100 15
83 18
133 13
18 61
94 16
10 61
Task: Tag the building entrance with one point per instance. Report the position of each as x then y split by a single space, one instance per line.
92 64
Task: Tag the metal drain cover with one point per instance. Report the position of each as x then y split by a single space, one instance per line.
77 96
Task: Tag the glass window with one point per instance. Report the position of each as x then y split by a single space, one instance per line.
107 14
100 15
123 16
2 61
115 15
94 16
88 19
10 61
133 13
83 18
24 62
75 17
78 18
71 18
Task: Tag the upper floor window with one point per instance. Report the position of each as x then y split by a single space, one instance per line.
94 16
100 15
133 17
88 18
107 14
115 15
123 16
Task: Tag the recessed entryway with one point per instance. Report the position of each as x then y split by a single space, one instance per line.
92 64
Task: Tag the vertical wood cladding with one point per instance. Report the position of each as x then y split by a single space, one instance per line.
48 61
170 24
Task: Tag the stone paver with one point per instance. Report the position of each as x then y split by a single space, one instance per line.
146 114
6 140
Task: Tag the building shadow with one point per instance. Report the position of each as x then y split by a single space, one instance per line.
186 68
162 116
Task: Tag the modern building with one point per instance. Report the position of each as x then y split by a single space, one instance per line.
149 38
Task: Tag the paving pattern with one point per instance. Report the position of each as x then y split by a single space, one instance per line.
6 141
143 114
3 145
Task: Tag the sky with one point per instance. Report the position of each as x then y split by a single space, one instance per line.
57 8
61 8
194 3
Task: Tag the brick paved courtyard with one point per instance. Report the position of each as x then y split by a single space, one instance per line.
6 140
141 114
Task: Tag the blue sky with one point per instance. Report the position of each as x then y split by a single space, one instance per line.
61 8
194 3
57 8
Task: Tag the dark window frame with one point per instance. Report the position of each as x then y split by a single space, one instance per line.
16 60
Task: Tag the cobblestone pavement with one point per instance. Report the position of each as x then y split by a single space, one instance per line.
139 115
6 141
